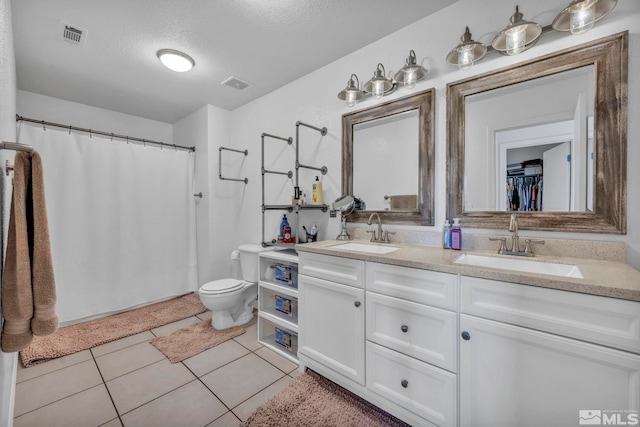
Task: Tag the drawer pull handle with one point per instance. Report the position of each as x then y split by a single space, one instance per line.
404 383
357 303
466 336
404 328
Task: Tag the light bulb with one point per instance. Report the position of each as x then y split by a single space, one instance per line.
351 99
378 89
466 57
515 39
410 80
582 17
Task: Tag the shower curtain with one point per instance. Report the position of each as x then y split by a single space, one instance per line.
121 220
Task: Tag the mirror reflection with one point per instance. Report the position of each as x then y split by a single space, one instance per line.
530 145
564 146
382 145
388 159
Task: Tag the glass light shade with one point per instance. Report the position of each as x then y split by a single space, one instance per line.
466 57
377 89
582 17
515 39
410 80
175 60
351 99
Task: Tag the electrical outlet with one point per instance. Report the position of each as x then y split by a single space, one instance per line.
332 213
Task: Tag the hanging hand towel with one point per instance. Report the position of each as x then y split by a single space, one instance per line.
28 282
45 318
17 297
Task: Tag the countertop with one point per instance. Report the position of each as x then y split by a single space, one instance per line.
605 278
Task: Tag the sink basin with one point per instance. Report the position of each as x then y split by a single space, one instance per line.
520 265
363 247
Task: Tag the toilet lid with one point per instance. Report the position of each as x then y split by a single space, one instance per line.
221 286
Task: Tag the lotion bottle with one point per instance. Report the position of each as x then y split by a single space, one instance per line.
316 192
456 235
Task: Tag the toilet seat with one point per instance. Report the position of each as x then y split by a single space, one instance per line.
222 286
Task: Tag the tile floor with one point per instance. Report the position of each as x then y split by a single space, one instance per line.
130 383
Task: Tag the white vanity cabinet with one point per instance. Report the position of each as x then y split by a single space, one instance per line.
332 313
411 333
278 308
532 356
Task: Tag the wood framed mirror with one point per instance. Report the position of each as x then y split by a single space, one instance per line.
594 194
388 159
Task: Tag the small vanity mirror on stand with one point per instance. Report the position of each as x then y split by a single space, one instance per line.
345 205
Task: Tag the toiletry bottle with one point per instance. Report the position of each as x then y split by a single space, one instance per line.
316 192
283 223
446 235
288 238
314 232
456 235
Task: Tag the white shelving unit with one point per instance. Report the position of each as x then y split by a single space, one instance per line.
278 302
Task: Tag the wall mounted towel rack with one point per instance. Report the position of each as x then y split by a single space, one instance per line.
16 147
245 152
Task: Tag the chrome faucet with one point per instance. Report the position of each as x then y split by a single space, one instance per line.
515 241
379 237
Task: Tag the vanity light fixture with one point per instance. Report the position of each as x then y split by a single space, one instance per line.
175 60
411 73
518 36
352 92
380 84
467 52
581 15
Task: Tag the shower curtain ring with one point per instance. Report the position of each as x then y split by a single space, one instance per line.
175 148
112 134
43 126
144 143
127 139
69 129
90 134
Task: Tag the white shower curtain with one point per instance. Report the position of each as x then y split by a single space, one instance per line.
121 220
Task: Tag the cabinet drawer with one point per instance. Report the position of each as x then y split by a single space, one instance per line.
336 269
416 386
420 331
423 286
609 321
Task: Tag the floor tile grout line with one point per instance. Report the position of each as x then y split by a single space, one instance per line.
56 401
115 408
205 386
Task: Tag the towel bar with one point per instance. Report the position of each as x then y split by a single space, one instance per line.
245 152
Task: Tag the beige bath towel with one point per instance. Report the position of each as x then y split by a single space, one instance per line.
28 280
45 318
17 296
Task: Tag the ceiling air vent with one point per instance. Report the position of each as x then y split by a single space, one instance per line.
235 83
72 34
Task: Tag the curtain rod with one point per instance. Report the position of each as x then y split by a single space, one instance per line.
109 134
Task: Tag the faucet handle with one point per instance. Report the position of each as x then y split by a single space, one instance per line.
373 235
527 245
386 235
503 243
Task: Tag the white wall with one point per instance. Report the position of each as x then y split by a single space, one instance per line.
313 99
8 361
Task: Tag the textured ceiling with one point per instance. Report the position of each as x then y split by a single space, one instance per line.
266 43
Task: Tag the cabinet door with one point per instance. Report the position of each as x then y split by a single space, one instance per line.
515 376
331 323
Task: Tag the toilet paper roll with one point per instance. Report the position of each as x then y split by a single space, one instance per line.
235 255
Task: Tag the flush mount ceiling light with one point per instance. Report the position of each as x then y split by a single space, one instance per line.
175 60
467 52
580 16
518 36
411 73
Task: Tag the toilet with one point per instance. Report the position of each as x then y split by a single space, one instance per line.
232 300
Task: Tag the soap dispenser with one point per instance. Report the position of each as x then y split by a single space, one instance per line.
456 235
316 192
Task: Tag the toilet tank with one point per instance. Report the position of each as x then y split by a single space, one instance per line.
249 261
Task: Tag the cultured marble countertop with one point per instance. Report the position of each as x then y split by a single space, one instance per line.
605 278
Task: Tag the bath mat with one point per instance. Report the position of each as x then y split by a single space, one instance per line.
85 335
194 339
311 400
